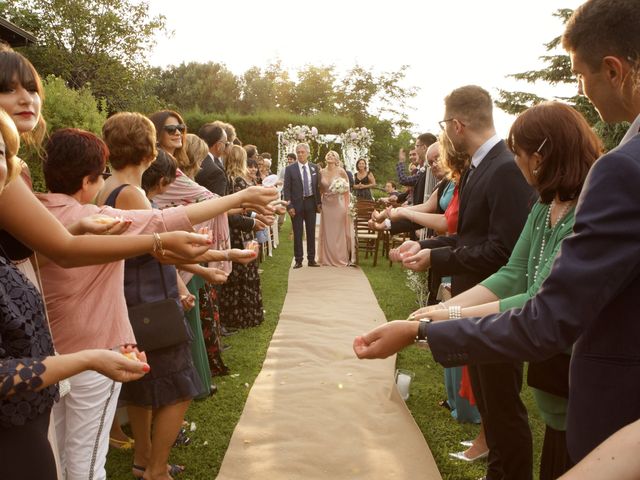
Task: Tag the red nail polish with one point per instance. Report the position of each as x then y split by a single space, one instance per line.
146 368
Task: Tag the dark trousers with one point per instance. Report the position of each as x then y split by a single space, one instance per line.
307 217
497 387
555 459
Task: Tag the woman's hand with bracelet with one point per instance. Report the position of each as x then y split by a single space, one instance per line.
179 247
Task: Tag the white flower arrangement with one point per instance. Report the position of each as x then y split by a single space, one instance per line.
417 282
299 134
357 137
339 185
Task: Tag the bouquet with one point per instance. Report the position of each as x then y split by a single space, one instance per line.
339 185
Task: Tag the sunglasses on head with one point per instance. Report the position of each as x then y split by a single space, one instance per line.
106 174
172 129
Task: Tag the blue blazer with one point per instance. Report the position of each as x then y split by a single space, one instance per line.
292 190
591 299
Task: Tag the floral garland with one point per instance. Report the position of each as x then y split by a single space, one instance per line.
299 134
360 138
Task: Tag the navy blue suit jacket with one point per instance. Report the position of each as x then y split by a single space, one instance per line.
591 300
292 190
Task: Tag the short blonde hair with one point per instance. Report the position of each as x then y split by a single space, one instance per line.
454 163
197 150
131 138
236 162
11 139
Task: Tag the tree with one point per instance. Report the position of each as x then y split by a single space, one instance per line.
557 71
209 87
314 92
100 44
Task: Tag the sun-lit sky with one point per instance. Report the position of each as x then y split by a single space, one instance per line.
446 44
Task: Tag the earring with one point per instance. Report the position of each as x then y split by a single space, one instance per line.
535 172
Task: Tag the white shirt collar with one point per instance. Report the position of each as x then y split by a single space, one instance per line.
481 152
632 132
300 165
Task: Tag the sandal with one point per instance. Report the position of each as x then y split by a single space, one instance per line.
173 469
182 438
127 444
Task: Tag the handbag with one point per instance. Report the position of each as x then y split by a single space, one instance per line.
551 375
158 324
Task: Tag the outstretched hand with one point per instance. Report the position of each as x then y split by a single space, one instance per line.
99 224
243 257
418 262
124 366
260 199
182 247
407 249
385 340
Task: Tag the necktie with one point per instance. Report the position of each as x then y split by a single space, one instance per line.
219 162
305 182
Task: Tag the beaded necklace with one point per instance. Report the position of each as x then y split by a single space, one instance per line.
547 224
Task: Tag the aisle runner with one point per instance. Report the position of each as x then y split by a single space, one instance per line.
317 412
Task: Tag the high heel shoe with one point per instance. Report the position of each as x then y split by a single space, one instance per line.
464 458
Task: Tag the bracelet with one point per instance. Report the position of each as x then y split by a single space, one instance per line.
253 214
157 245
455 312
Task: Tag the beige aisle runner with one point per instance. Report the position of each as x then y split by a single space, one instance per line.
317 412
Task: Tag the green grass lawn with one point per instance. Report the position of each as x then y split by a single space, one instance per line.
216 417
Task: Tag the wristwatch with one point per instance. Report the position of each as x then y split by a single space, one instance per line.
421 337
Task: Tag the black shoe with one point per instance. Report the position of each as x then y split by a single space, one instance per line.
298 265
311 263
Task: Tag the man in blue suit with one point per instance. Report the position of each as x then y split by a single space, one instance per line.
301 190
591 299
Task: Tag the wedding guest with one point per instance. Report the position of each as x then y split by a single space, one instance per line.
301 191
241 294
171 134
212 176
335 241
363 181
604 44
390 188
252 172
200 280
197 150
266 168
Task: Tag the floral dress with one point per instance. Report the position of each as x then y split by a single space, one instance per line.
240 297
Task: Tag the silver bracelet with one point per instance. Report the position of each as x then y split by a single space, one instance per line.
455 312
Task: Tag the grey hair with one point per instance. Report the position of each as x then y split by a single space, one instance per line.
305 145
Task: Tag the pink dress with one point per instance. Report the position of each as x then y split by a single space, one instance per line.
184 191
336 227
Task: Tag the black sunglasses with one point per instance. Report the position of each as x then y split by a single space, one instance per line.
106 174
172 129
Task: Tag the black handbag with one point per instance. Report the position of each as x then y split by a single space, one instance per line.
551 375
159 324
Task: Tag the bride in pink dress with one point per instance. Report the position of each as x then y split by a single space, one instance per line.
336 228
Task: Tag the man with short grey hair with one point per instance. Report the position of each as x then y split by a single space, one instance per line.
301 190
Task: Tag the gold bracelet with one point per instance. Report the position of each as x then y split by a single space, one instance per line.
157 245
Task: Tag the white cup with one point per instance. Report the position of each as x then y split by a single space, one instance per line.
403 382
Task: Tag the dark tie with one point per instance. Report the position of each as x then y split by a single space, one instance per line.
466 177
305 182
218 162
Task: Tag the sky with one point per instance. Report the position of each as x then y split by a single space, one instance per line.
446 44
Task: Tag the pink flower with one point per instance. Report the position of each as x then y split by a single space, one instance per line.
301 136
354 135
314 131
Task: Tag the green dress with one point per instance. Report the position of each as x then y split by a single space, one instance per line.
198 348
517 282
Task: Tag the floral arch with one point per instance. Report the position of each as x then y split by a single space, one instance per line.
355 143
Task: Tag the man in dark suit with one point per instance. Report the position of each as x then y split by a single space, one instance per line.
301 190
212 175
494 204
592 296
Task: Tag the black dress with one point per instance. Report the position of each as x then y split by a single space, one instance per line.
241 295
173 377
24 413
364 193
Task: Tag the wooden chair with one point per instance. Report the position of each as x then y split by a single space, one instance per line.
367 240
